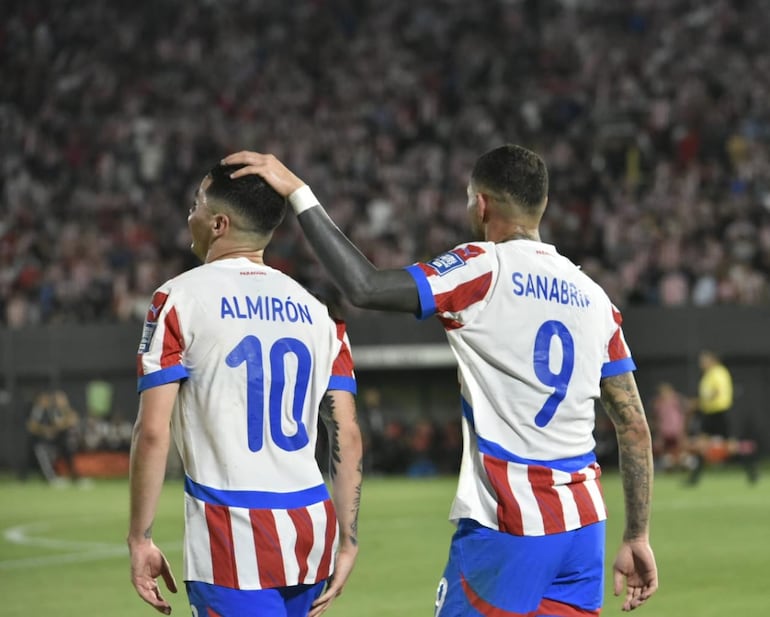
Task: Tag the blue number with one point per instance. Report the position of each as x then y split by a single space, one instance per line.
277 370
542 356
249 351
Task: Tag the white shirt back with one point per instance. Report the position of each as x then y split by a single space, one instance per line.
533 336
256 353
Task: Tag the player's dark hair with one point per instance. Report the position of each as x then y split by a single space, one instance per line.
258 205
514 172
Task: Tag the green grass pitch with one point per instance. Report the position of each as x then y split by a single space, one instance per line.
62 552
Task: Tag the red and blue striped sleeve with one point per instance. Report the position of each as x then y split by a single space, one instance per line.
159 359
618 358
453 282
343 376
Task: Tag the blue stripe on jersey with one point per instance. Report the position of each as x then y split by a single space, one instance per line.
491 448
617 367
260 500
424 292
340 382
163 376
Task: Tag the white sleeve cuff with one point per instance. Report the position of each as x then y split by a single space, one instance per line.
303 199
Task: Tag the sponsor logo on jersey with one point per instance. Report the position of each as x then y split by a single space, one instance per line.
447 262
147 332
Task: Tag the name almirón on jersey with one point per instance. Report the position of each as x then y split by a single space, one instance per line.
266 308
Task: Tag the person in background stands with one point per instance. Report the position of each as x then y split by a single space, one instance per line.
52 427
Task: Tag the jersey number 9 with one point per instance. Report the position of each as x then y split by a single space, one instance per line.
542 361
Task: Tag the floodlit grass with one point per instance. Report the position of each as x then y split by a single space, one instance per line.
62 551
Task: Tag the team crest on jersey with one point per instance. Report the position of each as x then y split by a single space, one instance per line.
447 262
147 332
151 320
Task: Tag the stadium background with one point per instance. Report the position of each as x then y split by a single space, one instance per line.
652 116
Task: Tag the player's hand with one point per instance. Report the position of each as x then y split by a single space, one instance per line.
343 566
147 564
275 173
635 566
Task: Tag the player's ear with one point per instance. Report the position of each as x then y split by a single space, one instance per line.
482 203
219 223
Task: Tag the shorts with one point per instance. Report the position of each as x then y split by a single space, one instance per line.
494 573
208 600
714 424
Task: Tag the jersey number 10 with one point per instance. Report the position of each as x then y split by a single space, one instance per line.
249 351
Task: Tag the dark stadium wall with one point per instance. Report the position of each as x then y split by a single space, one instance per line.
407 361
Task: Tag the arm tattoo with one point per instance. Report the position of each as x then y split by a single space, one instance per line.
620 398
148 533
356 506
333 429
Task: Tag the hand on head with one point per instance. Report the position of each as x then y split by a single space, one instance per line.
275 173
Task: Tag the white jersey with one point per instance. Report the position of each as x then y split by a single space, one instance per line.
533 336
256 353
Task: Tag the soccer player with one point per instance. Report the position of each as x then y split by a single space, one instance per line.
237 360
536 342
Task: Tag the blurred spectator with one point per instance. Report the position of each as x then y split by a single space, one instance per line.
669 427
422 453
448 448
390 449
52 429
659 166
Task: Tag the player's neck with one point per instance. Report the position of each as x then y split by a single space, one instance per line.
512 232
253 255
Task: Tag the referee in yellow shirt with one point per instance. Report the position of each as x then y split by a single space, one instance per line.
715 399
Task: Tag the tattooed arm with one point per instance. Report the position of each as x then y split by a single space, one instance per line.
635 562
338 411
149 451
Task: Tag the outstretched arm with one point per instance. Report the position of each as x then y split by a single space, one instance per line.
635 561
338 411
363 284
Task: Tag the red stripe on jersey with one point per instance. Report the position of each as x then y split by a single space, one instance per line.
343 363
616 348
212 613
548 500
508 510
450 324
585 505
469 251
484 607
598 471
324 567
552 607
173 343
221 544
426 269
304 526
465 294
268 547
158 300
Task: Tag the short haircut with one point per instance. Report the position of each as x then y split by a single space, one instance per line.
258 206
513 172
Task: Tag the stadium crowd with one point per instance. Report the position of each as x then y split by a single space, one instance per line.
651 114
